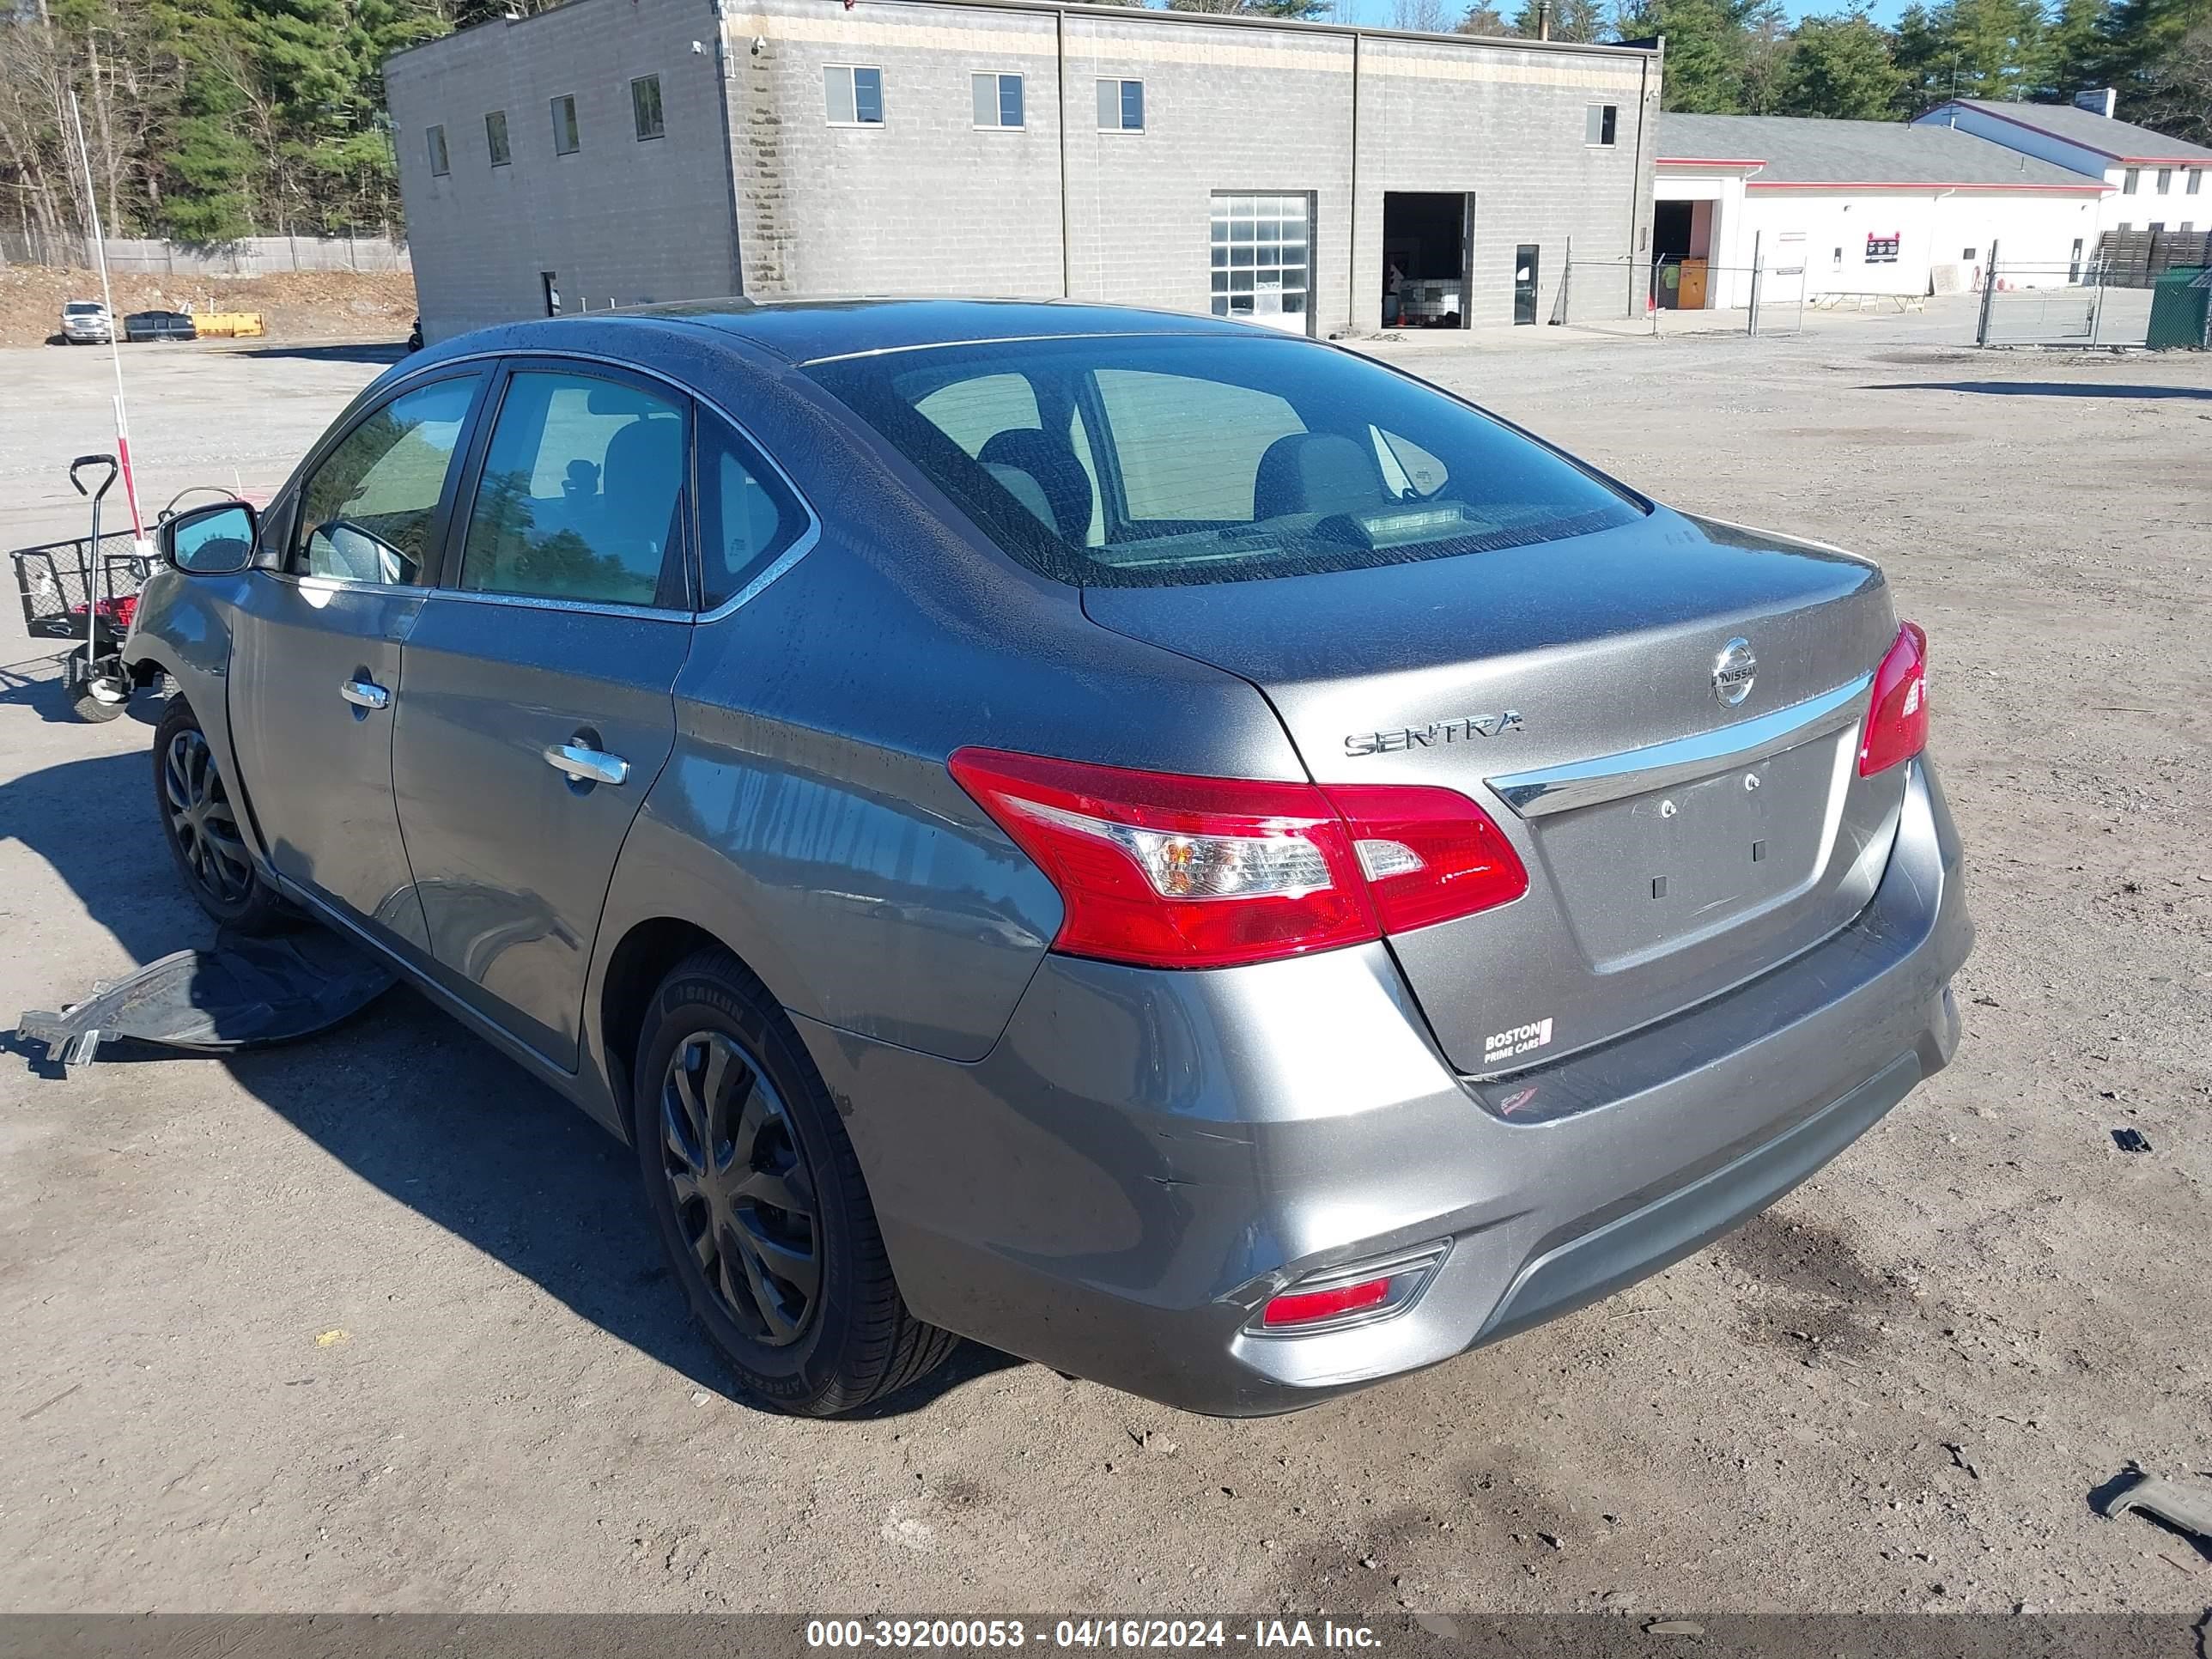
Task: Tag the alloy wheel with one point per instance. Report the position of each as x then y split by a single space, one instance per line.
744 1195
202 818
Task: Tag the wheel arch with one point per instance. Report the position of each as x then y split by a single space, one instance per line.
649 951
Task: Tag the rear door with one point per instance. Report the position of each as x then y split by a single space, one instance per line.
315 671
539 706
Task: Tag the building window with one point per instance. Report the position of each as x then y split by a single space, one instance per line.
1121 107
2196 181
2129 179
441 163
998 99
1882 249
496 137
853 97
2165 180
645 106
566 141
1835 260
1598 124
2156 225
1967 256
2187 226
2125 227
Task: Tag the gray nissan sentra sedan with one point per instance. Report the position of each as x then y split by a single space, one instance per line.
1172 850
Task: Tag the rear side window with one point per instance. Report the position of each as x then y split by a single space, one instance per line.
580 494
747 519
366 511
1157 460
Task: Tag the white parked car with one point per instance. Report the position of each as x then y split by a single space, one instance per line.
85 322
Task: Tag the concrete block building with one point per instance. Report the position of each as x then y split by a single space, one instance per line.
1318 178
1858 208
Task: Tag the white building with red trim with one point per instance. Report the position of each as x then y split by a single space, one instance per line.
2157 183
1845 208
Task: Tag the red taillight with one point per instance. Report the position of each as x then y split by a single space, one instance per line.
1897 715
1309 1307
1165 870
1428 855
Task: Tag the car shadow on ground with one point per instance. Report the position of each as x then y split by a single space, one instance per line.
2044 389
401 1096
371 352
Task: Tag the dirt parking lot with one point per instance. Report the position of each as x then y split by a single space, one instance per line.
373 1322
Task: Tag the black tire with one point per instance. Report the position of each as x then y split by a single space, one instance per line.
201 826
801 1303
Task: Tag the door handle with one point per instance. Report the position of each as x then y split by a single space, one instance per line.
365 694
583 765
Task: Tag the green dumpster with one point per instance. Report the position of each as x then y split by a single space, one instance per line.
2177 308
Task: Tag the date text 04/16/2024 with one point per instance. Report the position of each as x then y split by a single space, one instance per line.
1121 1634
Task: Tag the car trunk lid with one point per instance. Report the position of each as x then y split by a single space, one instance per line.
1677 843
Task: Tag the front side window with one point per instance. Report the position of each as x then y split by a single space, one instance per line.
852 95
748 518
1121 107
580 493
440 162
567 140
998 99
496 137
1600 121
2129 179
1162 460
366 511
645 106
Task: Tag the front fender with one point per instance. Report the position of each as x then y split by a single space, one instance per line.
182 627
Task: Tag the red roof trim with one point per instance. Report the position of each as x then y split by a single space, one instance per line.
2088 187
2056 136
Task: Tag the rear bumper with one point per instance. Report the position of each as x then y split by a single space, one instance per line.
1145 1158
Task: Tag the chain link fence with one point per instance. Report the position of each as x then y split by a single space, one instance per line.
1670 297
2105 302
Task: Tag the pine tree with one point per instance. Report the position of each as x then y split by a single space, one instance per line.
2075 48
1841 67
1720 53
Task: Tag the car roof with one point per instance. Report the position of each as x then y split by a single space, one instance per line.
807 330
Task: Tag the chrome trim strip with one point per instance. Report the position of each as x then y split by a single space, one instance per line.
1611 777
584 607
791 556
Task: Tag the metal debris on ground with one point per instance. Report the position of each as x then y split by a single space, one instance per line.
2131 1140
241 992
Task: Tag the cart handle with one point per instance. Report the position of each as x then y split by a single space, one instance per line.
82 461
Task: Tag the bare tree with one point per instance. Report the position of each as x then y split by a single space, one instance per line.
1426 15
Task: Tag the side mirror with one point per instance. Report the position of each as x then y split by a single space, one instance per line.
211 541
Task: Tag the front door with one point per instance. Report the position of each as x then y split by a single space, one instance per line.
539 698
316 664
1524 282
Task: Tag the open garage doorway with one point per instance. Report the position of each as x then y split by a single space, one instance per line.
1681 244
1427 238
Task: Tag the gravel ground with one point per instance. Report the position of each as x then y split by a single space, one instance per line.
374 1322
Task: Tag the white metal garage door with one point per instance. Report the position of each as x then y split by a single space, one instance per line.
1262 260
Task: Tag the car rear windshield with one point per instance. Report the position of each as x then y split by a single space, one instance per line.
1157 460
